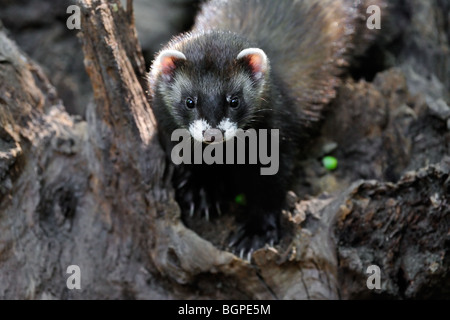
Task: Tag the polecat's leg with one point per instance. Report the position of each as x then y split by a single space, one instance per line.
199 190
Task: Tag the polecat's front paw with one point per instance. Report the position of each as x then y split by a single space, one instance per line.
194 198
249 237
198 201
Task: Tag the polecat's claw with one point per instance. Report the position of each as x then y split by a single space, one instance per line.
219 212
206 213
192 209
237 237
204 205
182 183
249 255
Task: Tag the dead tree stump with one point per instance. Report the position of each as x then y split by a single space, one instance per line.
97 193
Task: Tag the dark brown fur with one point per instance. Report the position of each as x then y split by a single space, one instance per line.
308 44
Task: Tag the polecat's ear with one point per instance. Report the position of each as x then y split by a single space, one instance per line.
256 60
167 62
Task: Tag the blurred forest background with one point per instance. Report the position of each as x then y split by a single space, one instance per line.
389 127
39 27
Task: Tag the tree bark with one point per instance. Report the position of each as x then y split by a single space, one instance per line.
97 193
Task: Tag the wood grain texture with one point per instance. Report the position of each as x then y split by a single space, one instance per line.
97 193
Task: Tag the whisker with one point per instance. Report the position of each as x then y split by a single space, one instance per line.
261 110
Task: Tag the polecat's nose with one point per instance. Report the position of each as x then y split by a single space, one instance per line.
212 135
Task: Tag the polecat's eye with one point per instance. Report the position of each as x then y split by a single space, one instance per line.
234 102
190 103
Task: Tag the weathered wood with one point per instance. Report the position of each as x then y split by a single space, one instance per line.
97 193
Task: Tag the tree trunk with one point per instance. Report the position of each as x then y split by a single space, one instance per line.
97 193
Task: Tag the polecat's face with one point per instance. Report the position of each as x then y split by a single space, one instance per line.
211 100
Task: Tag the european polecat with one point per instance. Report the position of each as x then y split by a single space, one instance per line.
260 64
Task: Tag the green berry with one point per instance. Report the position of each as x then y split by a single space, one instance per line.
330 163
240 199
